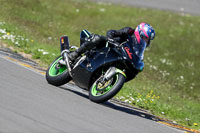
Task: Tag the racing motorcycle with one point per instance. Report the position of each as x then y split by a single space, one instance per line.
102 71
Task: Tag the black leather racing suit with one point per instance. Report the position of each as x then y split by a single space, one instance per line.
137 44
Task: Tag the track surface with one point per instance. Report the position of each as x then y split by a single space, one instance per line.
29 105
183 6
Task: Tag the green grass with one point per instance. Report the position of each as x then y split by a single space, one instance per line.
171 64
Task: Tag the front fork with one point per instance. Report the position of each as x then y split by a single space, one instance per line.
111 72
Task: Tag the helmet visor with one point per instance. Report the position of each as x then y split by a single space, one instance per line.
149 42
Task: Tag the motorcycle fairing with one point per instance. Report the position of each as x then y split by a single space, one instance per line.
82 75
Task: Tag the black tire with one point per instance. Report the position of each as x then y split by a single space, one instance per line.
118 82
57 76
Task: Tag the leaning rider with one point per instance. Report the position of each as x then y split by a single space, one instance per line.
139 39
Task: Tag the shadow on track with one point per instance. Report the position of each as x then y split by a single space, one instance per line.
116 106
123 107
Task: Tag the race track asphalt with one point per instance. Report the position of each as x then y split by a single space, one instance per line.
29 105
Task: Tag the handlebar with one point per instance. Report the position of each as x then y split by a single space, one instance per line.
111 41
115 43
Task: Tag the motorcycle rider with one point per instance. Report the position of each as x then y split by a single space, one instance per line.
139 39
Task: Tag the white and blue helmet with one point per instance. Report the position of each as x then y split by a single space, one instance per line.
146 30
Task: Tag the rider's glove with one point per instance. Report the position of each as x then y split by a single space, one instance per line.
111 33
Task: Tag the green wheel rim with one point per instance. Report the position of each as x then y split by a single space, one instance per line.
53 71
95 92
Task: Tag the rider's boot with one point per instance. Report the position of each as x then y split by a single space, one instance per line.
88 45
83 48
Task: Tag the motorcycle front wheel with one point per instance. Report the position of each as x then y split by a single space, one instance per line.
57 74
103 91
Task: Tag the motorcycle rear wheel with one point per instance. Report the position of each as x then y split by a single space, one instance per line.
57 74
98 95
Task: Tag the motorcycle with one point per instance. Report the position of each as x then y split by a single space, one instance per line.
101 71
